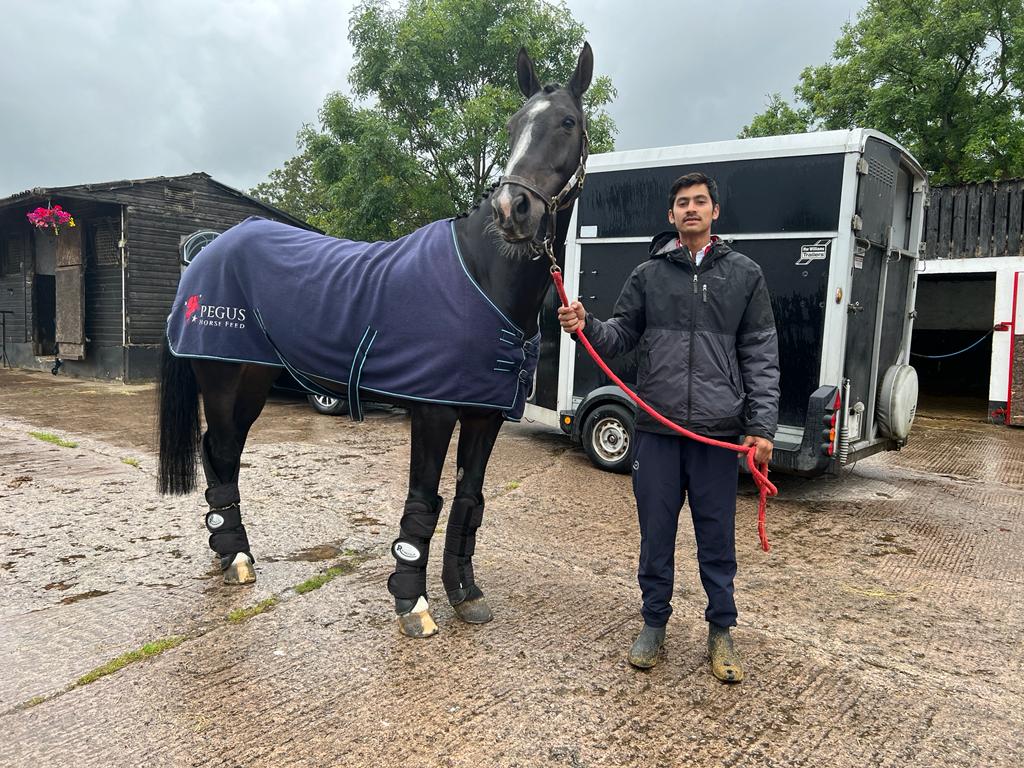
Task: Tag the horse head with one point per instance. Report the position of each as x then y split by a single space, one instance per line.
548 142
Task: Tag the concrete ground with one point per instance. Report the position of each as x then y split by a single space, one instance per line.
883 629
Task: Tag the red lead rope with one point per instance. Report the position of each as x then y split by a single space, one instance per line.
759 472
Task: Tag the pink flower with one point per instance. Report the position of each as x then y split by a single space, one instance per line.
50 217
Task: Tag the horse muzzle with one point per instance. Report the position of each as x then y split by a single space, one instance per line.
518 215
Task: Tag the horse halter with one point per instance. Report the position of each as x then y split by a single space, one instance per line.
564 199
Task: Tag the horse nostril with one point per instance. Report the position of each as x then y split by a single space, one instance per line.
499 214
522 205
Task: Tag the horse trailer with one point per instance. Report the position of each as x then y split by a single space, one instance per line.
834 219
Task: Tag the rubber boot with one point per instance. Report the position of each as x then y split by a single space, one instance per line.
644 653
725 660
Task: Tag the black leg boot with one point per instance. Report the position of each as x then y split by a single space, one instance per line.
224 522
457 571
409 581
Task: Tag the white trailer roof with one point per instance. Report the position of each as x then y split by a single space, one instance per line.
792 145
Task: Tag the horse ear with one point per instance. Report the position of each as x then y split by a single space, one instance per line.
528 82
584 72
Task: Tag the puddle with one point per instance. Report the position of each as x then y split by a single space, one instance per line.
84 596
365 520
894 551
315 554
887 546
58 585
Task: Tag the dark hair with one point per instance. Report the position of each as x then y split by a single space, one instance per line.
689 180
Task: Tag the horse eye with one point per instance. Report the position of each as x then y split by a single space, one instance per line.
568 123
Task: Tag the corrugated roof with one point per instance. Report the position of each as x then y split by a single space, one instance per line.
89 191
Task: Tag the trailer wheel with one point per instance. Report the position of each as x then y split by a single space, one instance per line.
608 437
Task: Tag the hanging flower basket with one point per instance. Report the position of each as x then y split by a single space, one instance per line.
51 217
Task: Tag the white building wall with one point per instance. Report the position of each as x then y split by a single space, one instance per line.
1005 270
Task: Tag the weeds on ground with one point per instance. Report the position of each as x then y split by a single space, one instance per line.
239 615
146 651
49 437
345 567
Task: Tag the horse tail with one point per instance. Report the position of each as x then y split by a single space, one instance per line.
179 424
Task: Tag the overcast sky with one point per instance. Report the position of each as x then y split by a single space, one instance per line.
115 89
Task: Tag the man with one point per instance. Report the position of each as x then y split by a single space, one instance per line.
708 361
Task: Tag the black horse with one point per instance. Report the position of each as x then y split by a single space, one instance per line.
505 247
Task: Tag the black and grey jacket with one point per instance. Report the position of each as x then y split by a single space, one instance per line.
709 357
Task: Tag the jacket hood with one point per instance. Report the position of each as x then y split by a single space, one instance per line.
663 246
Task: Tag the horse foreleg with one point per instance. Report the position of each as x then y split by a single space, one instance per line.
477 432
233 396
432 427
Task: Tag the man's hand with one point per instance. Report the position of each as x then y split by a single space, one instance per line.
572 318
763 451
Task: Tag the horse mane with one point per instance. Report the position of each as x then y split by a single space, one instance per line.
476 206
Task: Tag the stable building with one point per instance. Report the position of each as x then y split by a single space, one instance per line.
968 341
92 300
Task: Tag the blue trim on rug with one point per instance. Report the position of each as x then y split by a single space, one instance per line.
462 263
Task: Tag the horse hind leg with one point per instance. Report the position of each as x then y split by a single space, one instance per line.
228 538
233 396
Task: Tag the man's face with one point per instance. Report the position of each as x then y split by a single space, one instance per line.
693 211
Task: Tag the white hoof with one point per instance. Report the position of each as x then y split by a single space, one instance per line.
240 571
418 622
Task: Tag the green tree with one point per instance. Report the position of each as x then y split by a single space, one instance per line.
373 186
436 85
295 188
778 119
943 77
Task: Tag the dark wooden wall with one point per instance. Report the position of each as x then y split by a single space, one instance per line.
14 293
103 278
975 220
157 215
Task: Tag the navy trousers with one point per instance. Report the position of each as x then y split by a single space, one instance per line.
665 469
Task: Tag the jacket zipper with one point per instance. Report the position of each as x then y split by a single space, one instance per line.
689 372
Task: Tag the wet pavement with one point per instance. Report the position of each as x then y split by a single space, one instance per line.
882 629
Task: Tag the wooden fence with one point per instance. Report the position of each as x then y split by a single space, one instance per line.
975 220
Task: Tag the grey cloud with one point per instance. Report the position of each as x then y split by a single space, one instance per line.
115 89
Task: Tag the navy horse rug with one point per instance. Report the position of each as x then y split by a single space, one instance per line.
401 319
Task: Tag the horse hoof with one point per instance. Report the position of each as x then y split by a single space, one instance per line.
240 571
474 611
418 622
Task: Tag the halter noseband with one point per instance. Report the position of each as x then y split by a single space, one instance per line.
564 199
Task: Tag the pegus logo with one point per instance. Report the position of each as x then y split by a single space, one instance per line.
213 314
